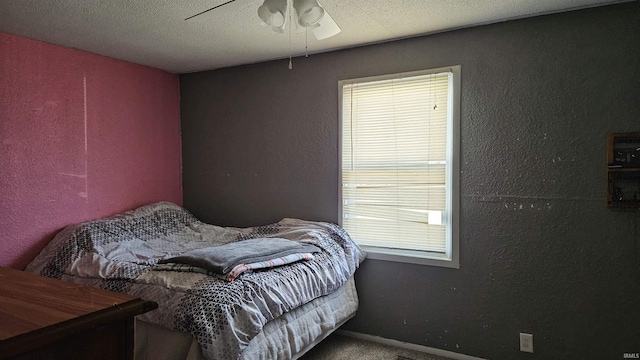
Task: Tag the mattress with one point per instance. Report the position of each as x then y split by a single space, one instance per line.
287 337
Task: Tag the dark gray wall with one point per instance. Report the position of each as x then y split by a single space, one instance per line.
540 252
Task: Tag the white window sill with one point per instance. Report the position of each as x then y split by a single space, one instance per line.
411 257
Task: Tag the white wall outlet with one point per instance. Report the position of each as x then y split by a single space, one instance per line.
526 342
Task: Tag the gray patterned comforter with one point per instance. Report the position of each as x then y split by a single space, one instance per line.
119 253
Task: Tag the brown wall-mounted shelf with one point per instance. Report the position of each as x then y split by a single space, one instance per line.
623 172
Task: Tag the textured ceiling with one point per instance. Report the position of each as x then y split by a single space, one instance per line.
155 33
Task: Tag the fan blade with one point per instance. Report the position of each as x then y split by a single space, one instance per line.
326 28
219 10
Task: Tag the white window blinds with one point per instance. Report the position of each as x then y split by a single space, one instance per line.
394 161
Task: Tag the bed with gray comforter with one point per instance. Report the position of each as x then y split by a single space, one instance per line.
202 276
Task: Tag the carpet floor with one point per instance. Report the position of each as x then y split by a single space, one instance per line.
340 347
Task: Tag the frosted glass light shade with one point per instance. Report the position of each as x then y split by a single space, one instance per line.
273 12
309 12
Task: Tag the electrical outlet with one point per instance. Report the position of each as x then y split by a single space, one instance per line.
526 342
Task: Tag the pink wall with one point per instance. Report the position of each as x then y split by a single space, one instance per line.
81 137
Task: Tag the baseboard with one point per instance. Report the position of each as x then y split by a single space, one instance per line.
408 346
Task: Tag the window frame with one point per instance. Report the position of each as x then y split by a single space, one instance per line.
451 258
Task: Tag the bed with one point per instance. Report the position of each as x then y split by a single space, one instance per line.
259 310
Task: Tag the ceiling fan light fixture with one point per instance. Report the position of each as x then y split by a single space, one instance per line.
273 12
309 12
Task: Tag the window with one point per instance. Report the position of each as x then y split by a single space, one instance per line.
399 165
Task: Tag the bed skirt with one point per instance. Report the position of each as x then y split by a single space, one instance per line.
286 337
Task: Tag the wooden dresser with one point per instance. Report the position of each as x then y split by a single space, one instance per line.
43 318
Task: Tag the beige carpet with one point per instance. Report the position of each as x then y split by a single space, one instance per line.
340 347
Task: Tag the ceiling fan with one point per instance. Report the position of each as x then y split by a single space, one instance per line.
308 14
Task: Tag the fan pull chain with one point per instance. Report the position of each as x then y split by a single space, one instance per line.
306 43
290 26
